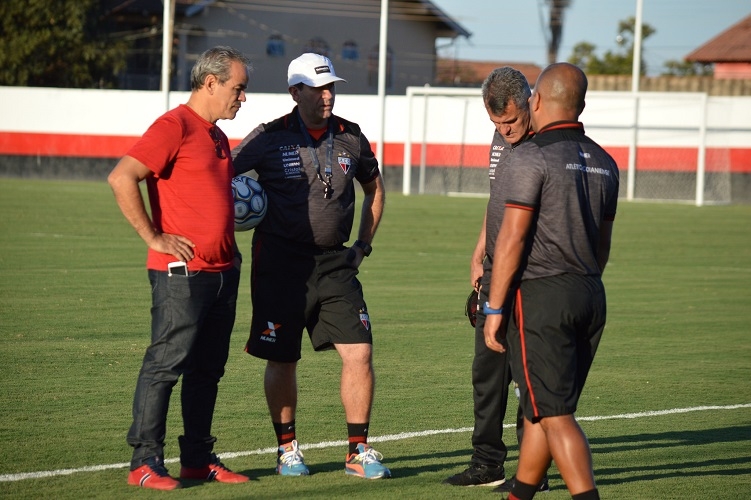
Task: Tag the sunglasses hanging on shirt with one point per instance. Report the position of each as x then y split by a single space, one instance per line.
217 143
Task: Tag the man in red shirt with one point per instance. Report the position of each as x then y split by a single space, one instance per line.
192 264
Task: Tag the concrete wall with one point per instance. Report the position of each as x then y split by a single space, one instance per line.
78 133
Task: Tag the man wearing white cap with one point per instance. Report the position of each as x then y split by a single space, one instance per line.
302 275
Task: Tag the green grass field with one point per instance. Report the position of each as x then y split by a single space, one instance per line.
74 323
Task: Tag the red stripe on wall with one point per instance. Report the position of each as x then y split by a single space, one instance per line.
735 160
78 145
69 145
662 159
649 159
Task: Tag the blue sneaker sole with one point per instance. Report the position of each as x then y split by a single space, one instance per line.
383 475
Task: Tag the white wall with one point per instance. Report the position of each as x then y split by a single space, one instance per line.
668 119
665 119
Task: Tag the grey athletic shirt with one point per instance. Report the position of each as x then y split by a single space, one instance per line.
298 211
500 156
572 185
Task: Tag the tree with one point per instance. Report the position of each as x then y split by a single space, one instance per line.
57 43
612 63
686 68
583 55
556 27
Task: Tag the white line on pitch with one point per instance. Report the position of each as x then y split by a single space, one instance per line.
375 439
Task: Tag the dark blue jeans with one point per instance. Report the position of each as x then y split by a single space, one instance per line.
191 322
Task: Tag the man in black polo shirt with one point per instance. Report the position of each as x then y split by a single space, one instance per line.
505 92
302 275
556 232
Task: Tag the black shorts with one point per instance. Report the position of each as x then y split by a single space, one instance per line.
553 334
295 287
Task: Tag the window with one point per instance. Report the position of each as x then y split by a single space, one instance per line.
317 45
373 67
350 51
275 46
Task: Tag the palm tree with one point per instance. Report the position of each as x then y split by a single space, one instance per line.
556 27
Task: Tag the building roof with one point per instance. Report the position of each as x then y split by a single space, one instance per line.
411 10
732 45
453 26
462 73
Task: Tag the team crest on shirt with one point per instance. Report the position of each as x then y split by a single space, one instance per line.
345 162
364 318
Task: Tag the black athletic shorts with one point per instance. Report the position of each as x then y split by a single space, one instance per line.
553 334
295 287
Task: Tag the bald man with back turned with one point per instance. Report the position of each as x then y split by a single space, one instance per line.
551 251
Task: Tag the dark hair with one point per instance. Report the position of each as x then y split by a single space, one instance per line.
216 61
504 85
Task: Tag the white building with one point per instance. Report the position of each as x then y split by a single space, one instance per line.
273 32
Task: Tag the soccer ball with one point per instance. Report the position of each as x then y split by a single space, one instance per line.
250 202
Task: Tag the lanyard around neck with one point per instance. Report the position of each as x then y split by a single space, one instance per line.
328 189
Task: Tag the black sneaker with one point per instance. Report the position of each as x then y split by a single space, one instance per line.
506 487
478 475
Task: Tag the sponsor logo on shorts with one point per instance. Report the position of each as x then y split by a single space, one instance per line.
269 334
364 318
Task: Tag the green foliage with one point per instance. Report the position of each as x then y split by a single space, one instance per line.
627 32
612 63
687 68
57 43
74 324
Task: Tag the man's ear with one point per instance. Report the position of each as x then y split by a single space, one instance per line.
210 83
534 101
294 92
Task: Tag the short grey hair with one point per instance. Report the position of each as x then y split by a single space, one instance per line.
504 85
216 61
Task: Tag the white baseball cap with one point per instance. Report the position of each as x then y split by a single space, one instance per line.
313 70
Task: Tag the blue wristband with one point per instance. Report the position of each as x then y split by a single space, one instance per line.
489 310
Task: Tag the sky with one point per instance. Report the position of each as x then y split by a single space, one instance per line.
512 30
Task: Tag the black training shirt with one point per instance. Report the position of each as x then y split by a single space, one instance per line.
278 152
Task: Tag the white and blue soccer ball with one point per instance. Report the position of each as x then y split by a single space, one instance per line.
250 202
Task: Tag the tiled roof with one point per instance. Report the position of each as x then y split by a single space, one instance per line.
732 45
471 73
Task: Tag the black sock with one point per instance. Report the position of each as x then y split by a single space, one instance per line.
357 433
587 495
284 432
523 491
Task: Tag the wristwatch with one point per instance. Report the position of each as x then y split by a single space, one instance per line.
489 310
366 249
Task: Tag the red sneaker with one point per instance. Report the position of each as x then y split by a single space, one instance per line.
215 471
153 475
